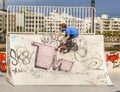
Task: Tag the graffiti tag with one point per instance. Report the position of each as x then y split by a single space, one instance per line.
20 55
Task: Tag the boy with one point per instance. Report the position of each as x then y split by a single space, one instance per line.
70 33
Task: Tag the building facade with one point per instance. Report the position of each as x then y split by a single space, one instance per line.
3 28
37 22
30 22
2 21
104 23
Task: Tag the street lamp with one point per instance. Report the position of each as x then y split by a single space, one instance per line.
93 3
93 12
4 3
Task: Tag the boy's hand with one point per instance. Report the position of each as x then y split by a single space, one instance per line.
56 38
63 41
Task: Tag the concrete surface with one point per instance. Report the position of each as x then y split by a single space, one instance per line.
34 61
115 77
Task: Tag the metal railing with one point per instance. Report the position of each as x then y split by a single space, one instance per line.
46 19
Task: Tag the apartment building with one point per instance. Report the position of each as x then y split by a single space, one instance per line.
33 22
104 23
3 25
30 22
2 21
11 22
47 19
38 22
25 22
52 22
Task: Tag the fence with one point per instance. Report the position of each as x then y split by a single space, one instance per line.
46 19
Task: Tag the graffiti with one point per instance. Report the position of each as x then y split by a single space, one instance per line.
27 70
20 55
46 55
40 61
114 58
71 45
82 50
48 39
14 38
80 54
111 39
95 64
63 65
17 70
102 76
46 58
92 62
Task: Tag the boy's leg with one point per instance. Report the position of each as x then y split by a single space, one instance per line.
69 41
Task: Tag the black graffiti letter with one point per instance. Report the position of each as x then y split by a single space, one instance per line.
13 56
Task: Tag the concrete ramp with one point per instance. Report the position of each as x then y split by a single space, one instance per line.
33 60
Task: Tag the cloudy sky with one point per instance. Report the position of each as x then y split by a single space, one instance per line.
110 7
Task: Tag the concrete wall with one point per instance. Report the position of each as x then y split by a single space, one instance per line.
33 60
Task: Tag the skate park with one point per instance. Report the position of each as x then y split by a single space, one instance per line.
89 57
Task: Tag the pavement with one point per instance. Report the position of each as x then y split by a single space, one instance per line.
115 77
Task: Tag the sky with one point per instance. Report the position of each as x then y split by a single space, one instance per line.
110 7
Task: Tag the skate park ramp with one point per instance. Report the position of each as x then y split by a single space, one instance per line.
33 60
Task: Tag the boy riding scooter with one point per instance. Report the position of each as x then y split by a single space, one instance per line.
70 33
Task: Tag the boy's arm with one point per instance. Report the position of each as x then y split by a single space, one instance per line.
57 35
66 38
